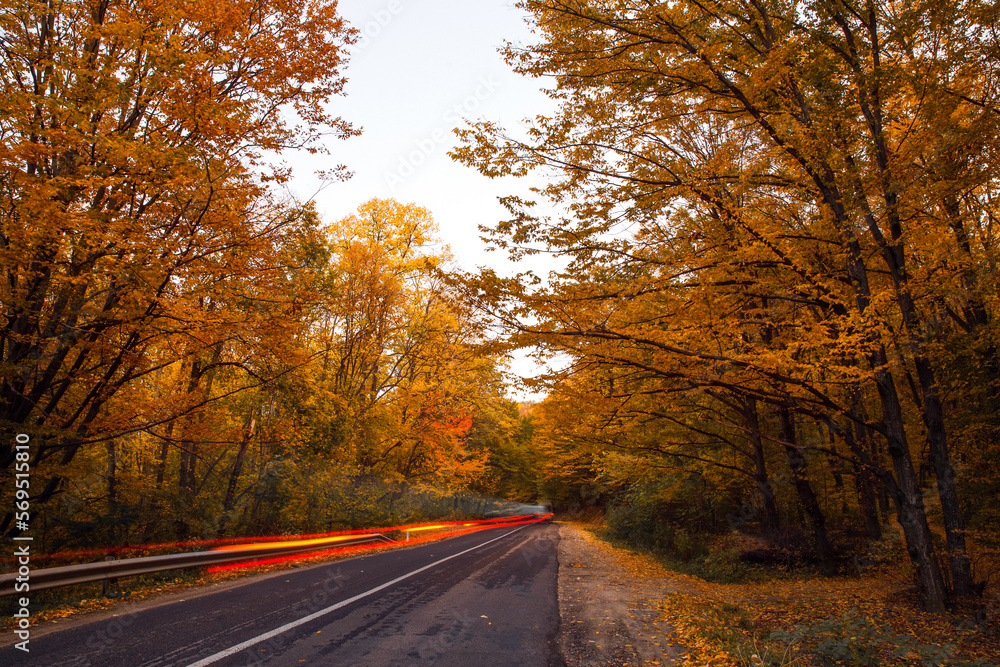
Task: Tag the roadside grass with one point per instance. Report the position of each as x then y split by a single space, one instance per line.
729 613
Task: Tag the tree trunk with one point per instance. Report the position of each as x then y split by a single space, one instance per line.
161 461
769 506
807 497
234 476
865 478
906 492
864 484
112 476
182 470
954 523
189 444
903 487
836 465
937 440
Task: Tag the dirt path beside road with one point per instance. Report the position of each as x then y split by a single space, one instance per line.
609 615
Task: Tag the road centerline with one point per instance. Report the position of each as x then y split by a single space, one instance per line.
215 657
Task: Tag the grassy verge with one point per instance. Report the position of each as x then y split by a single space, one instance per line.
746 615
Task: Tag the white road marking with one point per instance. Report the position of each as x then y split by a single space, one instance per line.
343 603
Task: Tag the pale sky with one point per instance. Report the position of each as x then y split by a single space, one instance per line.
420 67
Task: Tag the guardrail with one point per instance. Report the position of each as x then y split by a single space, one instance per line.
111 570
68 575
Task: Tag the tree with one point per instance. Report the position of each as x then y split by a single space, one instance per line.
762 200
135 202
401 378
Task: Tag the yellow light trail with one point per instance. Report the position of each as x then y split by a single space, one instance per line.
289 543
440 525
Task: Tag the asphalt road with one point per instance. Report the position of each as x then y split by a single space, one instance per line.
482 599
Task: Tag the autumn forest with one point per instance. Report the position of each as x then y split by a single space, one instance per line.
773 308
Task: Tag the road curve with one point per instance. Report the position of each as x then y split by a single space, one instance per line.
482 599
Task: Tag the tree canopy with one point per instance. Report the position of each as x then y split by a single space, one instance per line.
191 352
769 204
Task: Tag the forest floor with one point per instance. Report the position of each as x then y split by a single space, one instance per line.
794 618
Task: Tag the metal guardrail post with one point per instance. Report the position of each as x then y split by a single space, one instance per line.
110 587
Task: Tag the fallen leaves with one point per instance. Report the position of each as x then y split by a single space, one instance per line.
729 625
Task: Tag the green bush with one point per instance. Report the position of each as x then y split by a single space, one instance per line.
645 518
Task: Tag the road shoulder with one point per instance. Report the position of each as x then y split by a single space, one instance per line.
609 612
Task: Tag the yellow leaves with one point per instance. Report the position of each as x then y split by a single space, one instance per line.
404 234
400 366
135 232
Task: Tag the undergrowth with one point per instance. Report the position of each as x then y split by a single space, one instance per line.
723 566
730 613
